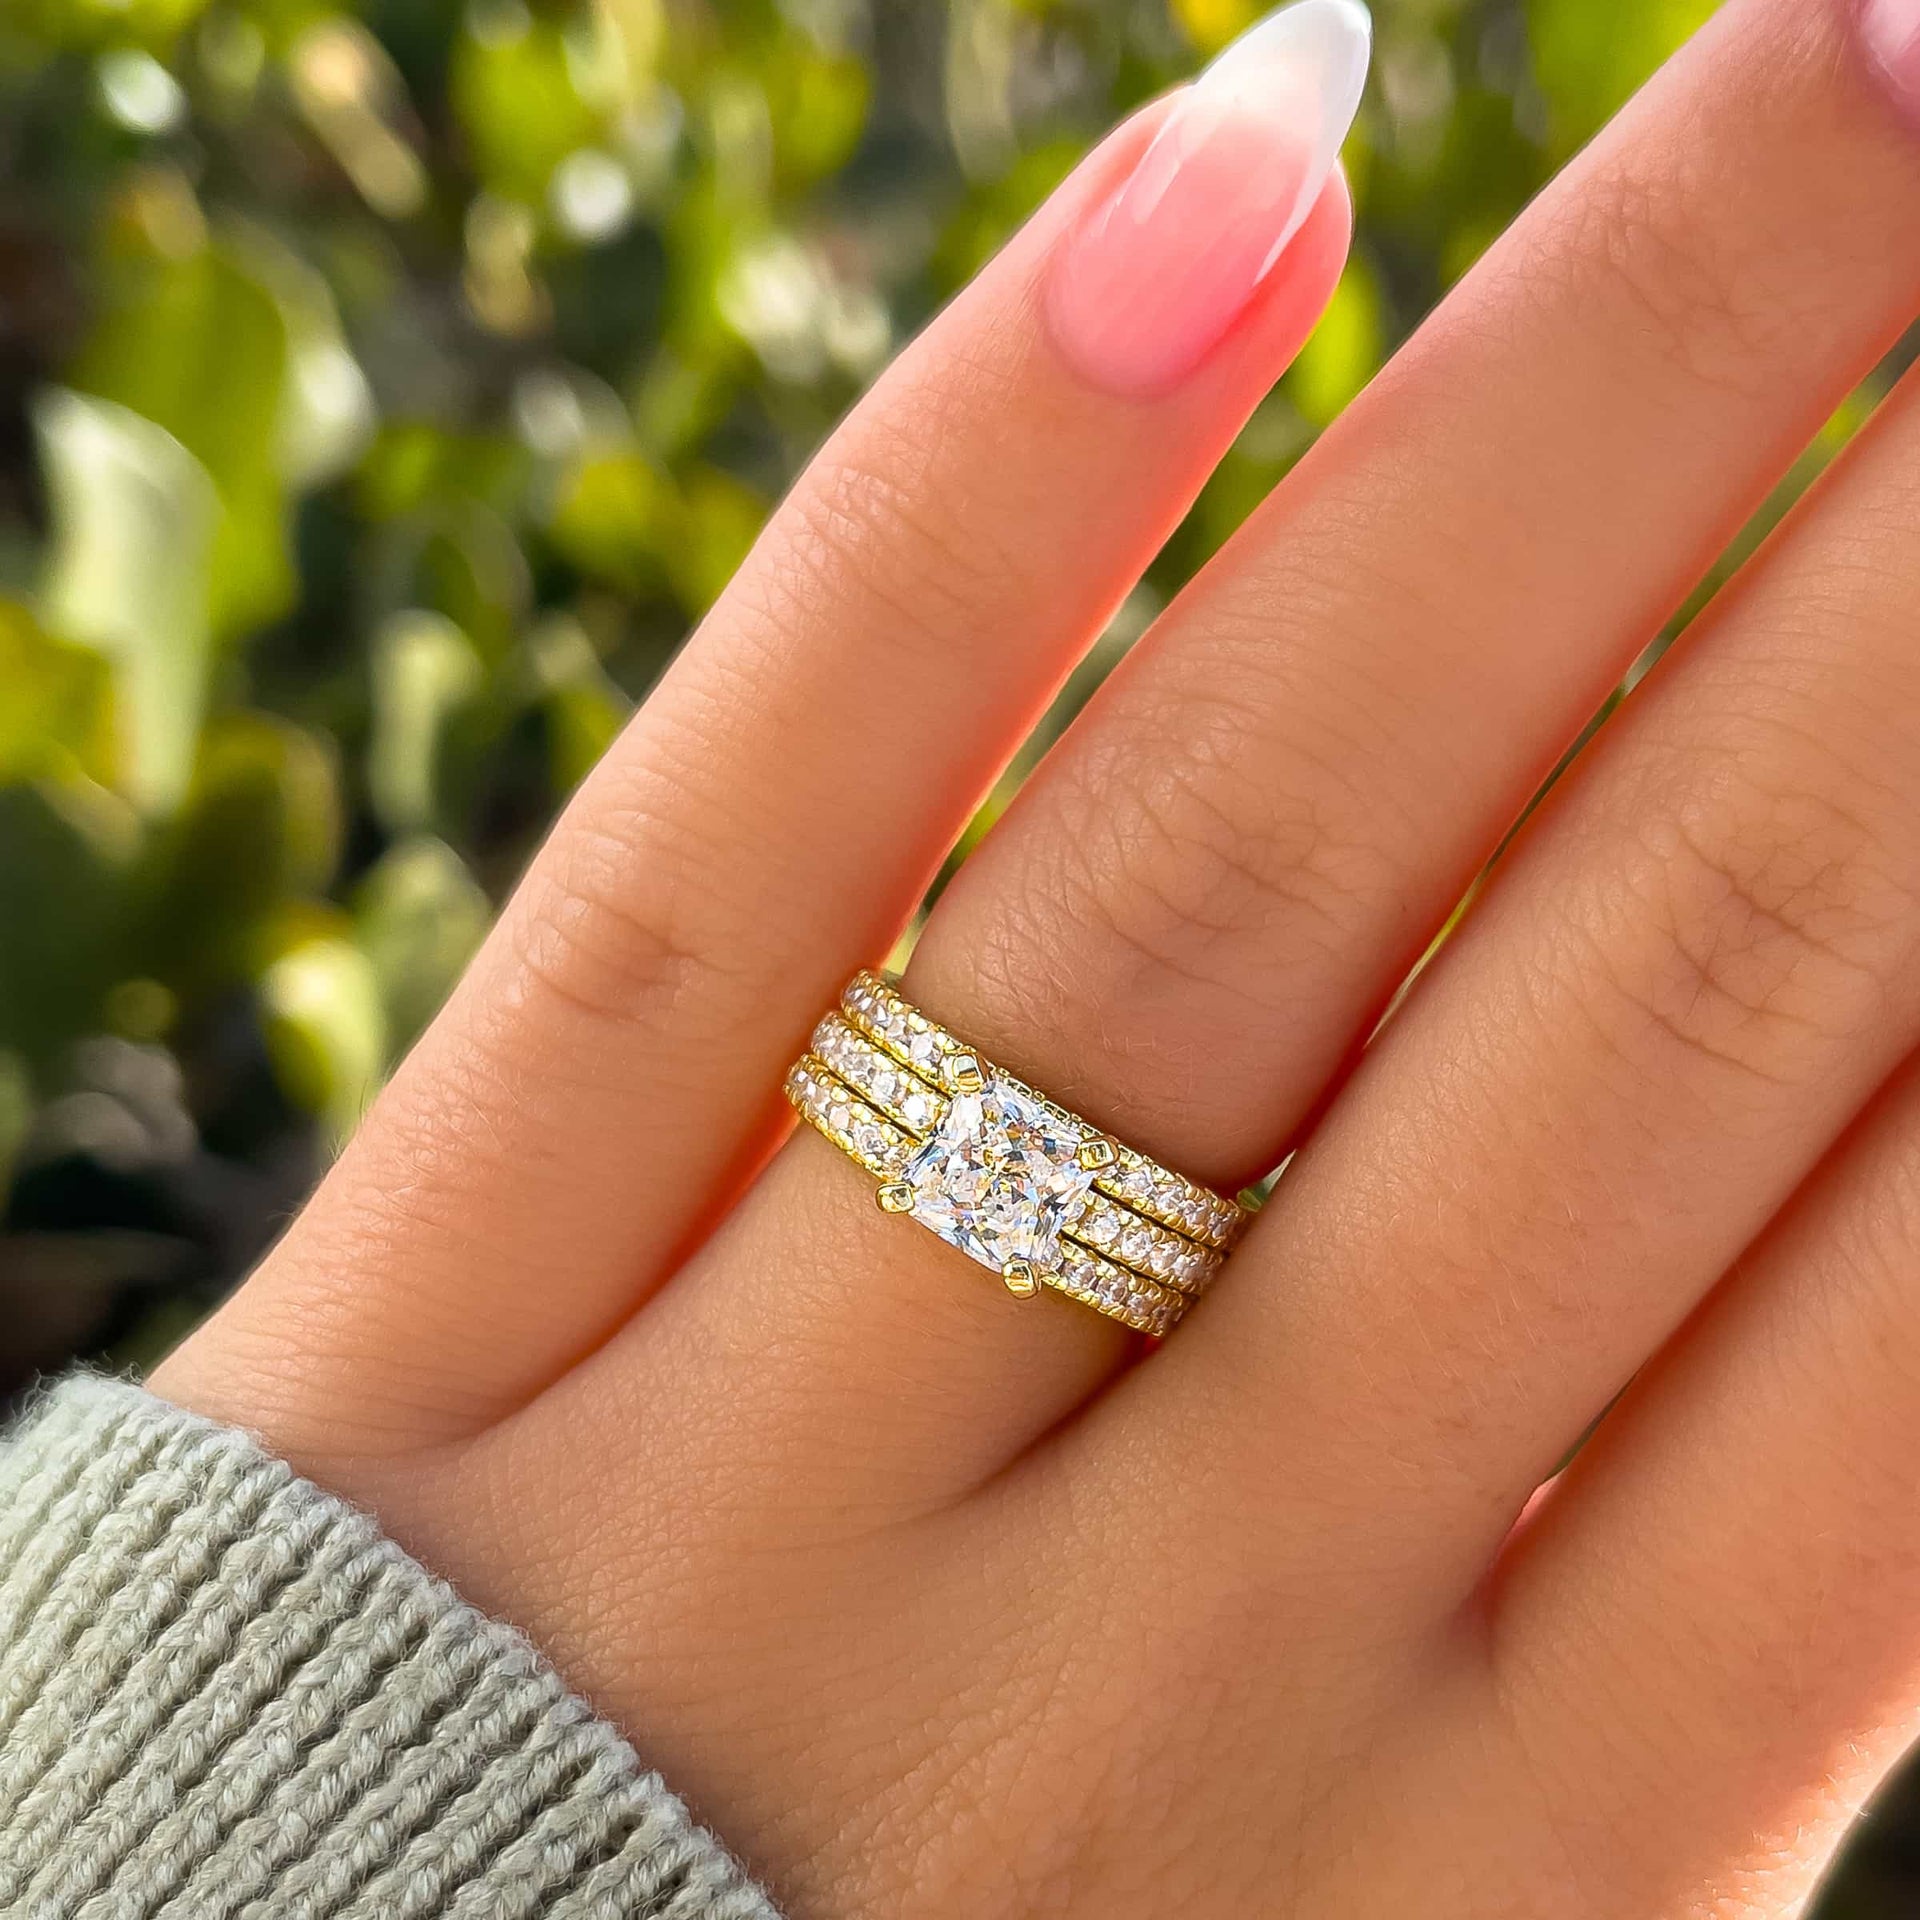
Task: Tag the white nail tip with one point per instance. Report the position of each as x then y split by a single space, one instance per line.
1335 36
1307 63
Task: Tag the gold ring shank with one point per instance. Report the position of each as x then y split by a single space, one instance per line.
1123 1235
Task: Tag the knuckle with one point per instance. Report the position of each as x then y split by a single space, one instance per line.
1775 908
1654 238
1201 869
873 524
622 919
1202 874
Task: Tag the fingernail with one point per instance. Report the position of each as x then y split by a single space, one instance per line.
1153 277
1891 30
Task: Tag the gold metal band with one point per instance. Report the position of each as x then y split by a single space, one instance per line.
912 1103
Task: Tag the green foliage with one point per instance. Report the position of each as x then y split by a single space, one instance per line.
1591 59
56 721
129 574
198 348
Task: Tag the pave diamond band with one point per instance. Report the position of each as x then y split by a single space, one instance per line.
1014 1181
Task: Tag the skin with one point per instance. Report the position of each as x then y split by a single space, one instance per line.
937 1604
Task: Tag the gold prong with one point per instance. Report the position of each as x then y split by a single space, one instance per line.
1096 1153
963 1073
1022 1282
895 1197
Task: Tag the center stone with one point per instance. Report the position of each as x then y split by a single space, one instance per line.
999 1177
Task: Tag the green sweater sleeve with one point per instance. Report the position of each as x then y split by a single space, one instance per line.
223 1693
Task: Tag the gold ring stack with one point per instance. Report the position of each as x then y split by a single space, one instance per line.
1014 1181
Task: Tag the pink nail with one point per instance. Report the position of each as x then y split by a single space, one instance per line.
1151 280
1891 30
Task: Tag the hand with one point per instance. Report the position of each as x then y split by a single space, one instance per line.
932 1602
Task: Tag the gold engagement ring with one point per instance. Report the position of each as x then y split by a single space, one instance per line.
1040 1196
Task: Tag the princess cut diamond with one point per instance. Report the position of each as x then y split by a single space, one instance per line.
1000 1176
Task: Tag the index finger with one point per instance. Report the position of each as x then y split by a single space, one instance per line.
608 1073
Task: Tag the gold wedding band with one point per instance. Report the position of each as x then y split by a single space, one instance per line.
1035 1193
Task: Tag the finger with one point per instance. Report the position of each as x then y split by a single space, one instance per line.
1198 907
1191 915
1727 1580
608 1071
1699 962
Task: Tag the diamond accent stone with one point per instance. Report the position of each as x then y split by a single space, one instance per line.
1000 1176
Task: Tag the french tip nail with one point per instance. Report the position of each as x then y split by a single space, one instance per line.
1157 276
1342 26
1308 61
1323 46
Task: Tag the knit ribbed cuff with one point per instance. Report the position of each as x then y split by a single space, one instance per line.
224 1693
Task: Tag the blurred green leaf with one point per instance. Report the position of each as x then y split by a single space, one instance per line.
425 671
517 87
718 520
326 1029
1345 350
987 218
198 346
584 710
612 517
1589 59
1210 24
259 830
469 567
97 23
418 466
641 27
64 856
135 524
56 704
817 104
16 1111
327 414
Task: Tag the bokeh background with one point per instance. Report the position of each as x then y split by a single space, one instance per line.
384 391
